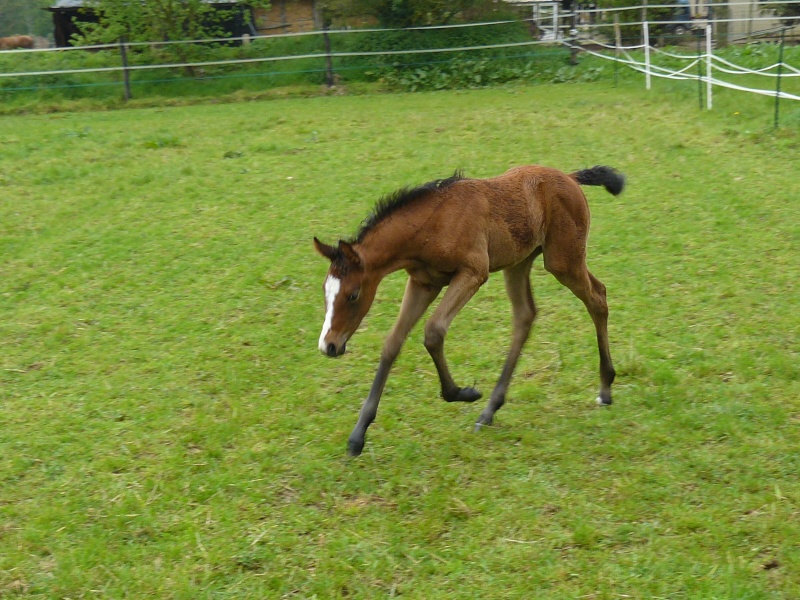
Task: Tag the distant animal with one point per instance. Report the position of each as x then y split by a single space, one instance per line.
14 42
453 232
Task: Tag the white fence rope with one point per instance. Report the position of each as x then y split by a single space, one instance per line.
610 47
734 69
641 66
762 71
212 63
672 54
683 75
770 93
253 38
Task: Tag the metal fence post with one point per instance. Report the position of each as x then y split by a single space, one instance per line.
778 84
698 33
126 75
646 30
617 45
709 50
329 80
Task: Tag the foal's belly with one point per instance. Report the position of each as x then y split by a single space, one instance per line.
428 275
504 261
514 231
508 251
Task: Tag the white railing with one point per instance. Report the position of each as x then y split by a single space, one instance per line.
621 54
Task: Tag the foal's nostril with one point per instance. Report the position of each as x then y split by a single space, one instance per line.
331 350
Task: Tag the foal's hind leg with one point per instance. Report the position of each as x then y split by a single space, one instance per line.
574 275
518 286
461 289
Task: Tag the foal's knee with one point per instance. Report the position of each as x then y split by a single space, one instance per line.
598 289
600 305
523 322
528 316
434 336
558 264
391 349
557 269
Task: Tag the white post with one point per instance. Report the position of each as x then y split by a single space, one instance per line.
709 86
646 54
555 21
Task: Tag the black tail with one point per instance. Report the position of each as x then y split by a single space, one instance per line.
609 178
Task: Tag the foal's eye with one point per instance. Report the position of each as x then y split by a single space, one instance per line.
354 296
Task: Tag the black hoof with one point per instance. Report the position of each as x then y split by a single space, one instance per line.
483 420
467 394
355 446
604 399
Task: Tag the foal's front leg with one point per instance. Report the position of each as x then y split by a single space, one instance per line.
417 298
461 289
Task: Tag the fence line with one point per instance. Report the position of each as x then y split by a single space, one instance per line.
795 72
708 58
643 24
739 70
684 75
794 18
621 53
252 38
213 63
770 93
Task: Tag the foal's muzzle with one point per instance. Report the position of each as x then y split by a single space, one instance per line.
334 352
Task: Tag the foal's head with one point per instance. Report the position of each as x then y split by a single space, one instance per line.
349 292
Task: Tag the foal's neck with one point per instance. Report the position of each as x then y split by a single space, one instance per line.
388 247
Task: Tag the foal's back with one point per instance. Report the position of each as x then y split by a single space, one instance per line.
507 217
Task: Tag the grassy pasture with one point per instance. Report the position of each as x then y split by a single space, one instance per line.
168 428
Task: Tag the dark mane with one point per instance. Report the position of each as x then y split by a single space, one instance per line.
391 203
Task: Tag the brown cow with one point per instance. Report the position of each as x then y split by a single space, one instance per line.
14 42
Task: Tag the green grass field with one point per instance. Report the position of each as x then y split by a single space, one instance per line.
168 428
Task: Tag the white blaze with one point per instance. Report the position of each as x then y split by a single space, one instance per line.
332 285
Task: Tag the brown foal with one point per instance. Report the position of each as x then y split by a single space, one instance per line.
454 232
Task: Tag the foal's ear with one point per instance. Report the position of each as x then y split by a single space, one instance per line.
328 252
351 255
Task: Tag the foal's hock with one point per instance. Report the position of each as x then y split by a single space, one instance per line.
452 233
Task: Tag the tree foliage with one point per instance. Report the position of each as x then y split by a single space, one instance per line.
789 10
25 17
158 20
408 13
